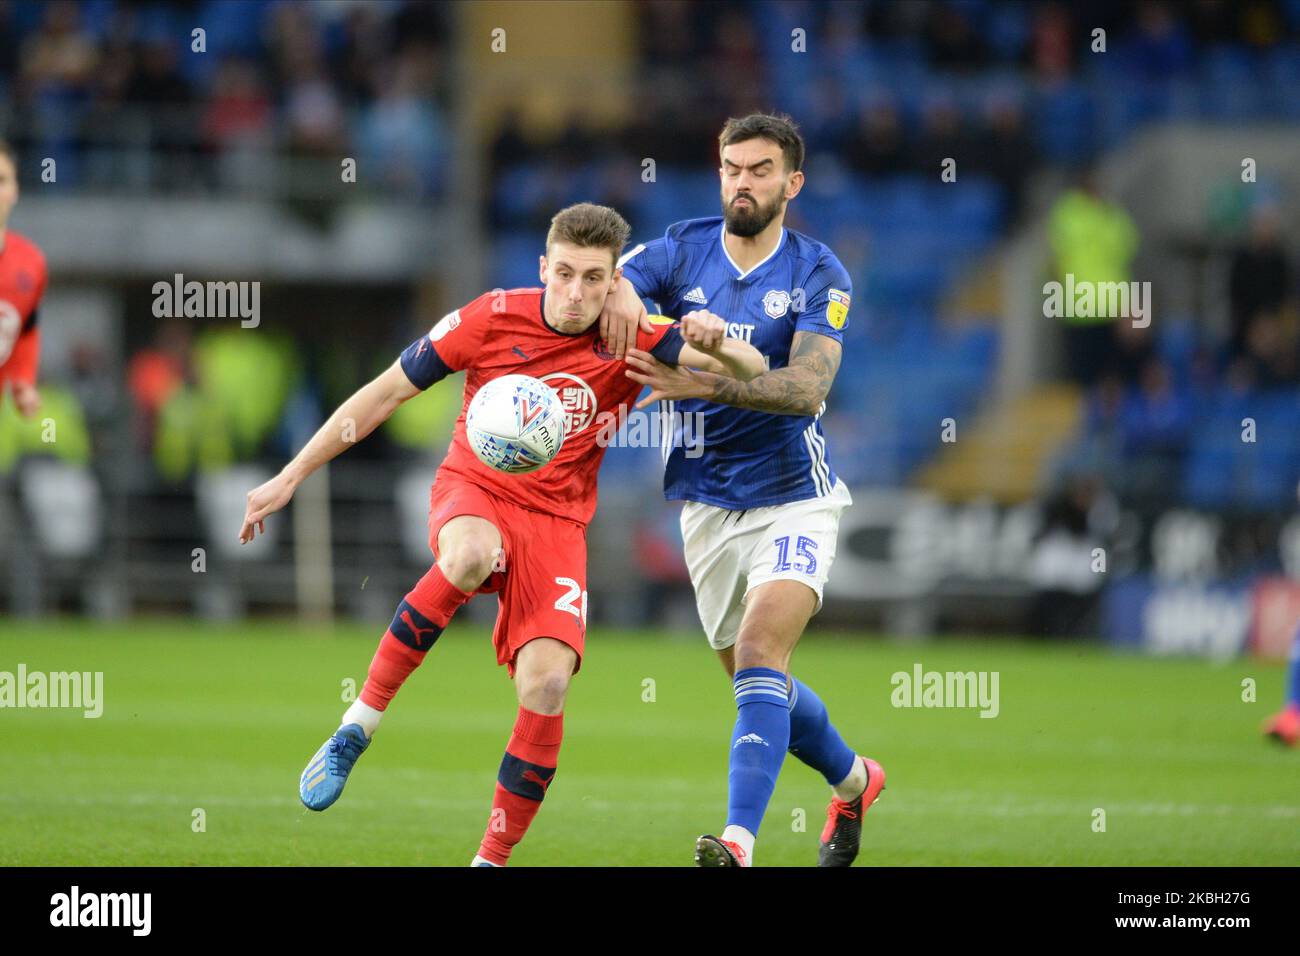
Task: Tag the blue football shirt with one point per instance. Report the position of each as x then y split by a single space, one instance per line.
740 458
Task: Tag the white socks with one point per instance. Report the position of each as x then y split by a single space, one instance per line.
855 784
363 714
743 837
481 861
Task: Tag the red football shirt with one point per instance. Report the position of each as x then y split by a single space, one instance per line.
503 333
22 284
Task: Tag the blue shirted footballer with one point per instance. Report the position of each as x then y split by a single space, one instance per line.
762 502
753 458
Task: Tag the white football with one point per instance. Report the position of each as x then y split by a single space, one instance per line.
515 424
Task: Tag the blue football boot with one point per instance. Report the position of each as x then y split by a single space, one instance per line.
322 782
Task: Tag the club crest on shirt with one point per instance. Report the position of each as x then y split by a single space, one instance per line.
11 323
25 282
837 310
776 303
576 396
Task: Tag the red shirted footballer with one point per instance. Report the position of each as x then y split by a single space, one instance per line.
22 285
521 537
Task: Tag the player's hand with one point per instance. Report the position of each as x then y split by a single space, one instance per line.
263 500
704 330
27 399
623 314
667 382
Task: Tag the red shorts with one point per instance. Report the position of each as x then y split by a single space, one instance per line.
542 587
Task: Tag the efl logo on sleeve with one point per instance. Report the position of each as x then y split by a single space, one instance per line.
837 312
446 324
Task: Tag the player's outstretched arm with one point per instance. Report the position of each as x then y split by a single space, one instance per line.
352 421
798 389
708 349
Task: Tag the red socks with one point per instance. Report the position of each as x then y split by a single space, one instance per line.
530 759
418 623
526 772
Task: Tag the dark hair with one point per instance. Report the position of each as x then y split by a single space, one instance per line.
589 226
777 127
9 152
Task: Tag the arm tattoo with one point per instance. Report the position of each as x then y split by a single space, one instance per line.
798 389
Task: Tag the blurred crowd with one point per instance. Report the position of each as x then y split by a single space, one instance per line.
883 91
1155 387
113 91
887 88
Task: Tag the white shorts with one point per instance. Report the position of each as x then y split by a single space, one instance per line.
729 553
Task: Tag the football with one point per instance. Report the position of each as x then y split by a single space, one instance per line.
515 424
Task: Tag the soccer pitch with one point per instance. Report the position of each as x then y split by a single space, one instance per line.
213 724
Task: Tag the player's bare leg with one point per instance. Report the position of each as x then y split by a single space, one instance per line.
468 548
776 614
543 669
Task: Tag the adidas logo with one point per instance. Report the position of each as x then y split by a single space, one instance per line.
750 739
696 295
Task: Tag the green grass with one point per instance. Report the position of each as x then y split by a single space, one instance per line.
224 718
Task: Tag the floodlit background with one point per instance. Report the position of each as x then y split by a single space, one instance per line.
1131 481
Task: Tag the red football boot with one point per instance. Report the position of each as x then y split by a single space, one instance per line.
1285 727
843 831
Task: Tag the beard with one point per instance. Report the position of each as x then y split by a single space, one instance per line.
749 220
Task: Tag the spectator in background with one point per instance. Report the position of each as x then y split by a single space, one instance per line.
874 146
93 383
1078 518
1270 358
950 39
737 63
1052 44
401 134
107 117
1162 46
1093 240
828 118
59 60
158 85
154 375
1098 449
239 110
1131 351
8 43
312 110
1156 421
365 42
1258 277
943 136
509 146
1005 150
